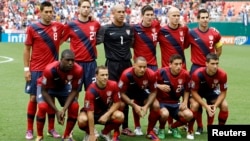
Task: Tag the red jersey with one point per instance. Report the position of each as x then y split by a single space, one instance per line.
54 78
145 42
45 42
173 41
100 99
82 37
203 43
216 83
147 81
178 84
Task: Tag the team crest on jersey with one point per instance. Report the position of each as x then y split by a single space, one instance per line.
216 81
109 93
181 33
44 80
54 28
128 31
153 30
211 37
180 81
92 28
69 77
86 105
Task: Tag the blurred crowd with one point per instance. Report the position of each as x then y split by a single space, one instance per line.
18 14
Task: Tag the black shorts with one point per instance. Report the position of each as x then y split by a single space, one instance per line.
172 108
115 68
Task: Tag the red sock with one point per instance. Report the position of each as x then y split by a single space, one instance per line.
41 117
223 115
170 120
191 122
72 117
136 119
154 115
199 117
51 118
210 120
179 122
31 112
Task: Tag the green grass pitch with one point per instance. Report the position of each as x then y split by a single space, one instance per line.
234 60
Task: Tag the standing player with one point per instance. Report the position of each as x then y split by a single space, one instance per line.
41 48
173 38
172 83
210 83
82 35
203 40
117 39
101 104
138 89
145 34
61 80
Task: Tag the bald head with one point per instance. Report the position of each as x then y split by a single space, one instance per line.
172 10
118 7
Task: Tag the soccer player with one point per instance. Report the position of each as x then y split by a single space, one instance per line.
210 83
203 40
82 35
101 104
172 84
138 89
61 80
117 39
145 34
41 48
173 38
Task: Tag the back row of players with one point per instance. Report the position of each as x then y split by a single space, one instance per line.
42 46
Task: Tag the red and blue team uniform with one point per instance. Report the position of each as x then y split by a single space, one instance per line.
45 42
145 42
100 100
202 43
137 88
173 41
82 37
58 84
178 85
208 87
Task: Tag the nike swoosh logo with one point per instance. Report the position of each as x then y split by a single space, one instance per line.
76 30
39 32
112 33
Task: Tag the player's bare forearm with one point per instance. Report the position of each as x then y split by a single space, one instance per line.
70 99
151 98
126 99
198 98
91 122
113 108
49 99
220 98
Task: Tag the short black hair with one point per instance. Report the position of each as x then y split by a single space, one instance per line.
45 4
67 51
202 11
146 8
211 56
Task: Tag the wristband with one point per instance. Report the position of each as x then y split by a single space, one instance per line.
26 69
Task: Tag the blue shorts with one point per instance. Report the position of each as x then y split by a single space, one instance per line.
61 94
96 116
88 73
193 68
172 108
30 87
153 67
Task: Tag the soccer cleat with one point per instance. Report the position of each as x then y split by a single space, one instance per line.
115 137
105 137
152 136
138 131
127 132
156 130
199 131
190 136
161 134
53 133
29 135
39 138
169 131
176 133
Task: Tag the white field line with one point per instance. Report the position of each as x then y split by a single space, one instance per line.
7 59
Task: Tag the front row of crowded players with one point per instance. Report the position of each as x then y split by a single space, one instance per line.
144 90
